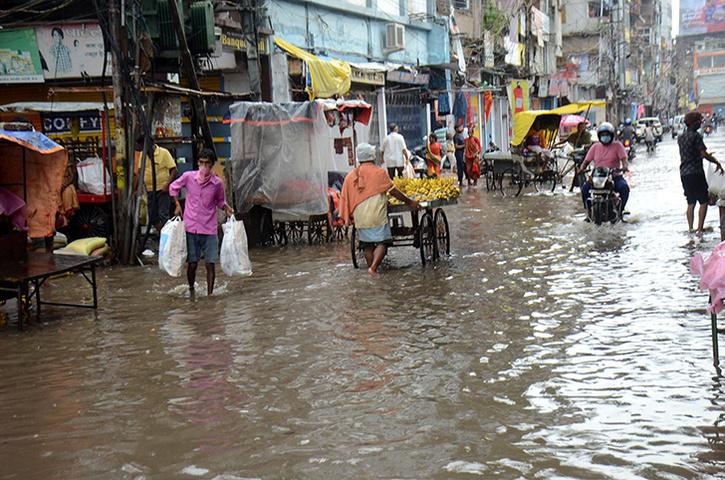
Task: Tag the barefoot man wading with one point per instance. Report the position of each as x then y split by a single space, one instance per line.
692 175
364 203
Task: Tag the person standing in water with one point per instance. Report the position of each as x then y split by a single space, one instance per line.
204 194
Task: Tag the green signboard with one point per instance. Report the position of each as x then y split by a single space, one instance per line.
19 57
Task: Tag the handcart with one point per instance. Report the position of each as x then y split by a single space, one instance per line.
428 231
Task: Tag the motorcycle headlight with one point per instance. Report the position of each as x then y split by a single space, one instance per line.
599 182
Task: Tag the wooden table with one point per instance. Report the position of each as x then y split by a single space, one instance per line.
18 275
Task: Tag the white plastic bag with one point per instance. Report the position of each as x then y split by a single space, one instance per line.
172 247
408 170
715 181
91 177
234 255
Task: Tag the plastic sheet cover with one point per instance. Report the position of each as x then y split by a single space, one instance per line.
280 158
45 163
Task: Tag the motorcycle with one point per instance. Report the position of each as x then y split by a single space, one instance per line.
604 203
629 148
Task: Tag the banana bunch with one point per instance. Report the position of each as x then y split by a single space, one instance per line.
426 189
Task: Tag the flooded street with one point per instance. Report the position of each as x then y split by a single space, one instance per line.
545 347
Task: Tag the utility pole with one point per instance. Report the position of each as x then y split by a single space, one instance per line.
198 105
118 57
248 11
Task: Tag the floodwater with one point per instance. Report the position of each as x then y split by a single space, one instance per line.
544 347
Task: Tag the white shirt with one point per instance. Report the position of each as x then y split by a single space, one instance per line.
393 147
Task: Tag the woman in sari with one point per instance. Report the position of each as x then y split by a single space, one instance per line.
433 156
473 154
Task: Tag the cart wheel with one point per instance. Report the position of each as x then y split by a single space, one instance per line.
90 221
511 182
295 231
426 234
355 250
443 234
317 229
266 228
280 234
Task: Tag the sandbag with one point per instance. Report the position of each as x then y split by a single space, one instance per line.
715 181
85 246
172 247
234 255
91 177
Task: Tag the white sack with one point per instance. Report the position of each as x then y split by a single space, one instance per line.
715 181
91 177
172 247
234 255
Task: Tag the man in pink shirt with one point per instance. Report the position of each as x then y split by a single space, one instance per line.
204 194
608 153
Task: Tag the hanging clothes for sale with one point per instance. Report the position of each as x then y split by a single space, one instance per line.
444 104
460 109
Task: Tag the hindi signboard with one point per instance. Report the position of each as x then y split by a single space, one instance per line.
19 58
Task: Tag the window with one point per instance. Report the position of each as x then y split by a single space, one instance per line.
460 4
390 7
417 7
718 61
595 7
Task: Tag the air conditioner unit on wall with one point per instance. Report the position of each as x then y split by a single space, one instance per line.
394 37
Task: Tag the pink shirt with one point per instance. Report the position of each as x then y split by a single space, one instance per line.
201 202
608 156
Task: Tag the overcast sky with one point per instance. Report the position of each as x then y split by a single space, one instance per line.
675 17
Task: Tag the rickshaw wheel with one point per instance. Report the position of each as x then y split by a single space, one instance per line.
90 221
511 182
355 251
490 181
294 231
280 234
426 234
317 230
443 234
266 229
545 181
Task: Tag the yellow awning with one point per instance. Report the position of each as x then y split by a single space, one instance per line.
328 77
574 108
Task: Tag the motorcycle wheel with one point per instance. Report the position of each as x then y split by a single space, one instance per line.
598 213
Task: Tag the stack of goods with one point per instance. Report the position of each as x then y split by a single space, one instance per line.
426 189
93 247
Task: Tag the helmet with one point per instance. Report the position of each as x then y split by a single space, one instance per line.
628 121
606 129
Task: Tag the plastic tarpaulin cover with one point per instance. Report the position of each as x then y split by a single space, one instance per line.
45 163
280 157
329 77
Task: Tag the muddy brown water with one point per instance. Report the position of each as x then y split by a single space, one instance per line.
543 348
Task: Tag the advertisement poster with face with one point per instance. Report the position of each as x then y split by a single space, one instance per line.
71 50
19 59
702 16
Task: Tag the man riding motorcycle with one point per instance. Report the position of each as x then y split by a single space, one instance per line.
628 133
608 153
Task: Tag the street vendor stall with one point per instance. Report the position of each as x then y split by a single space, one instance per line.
281 163
31 167
83 129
